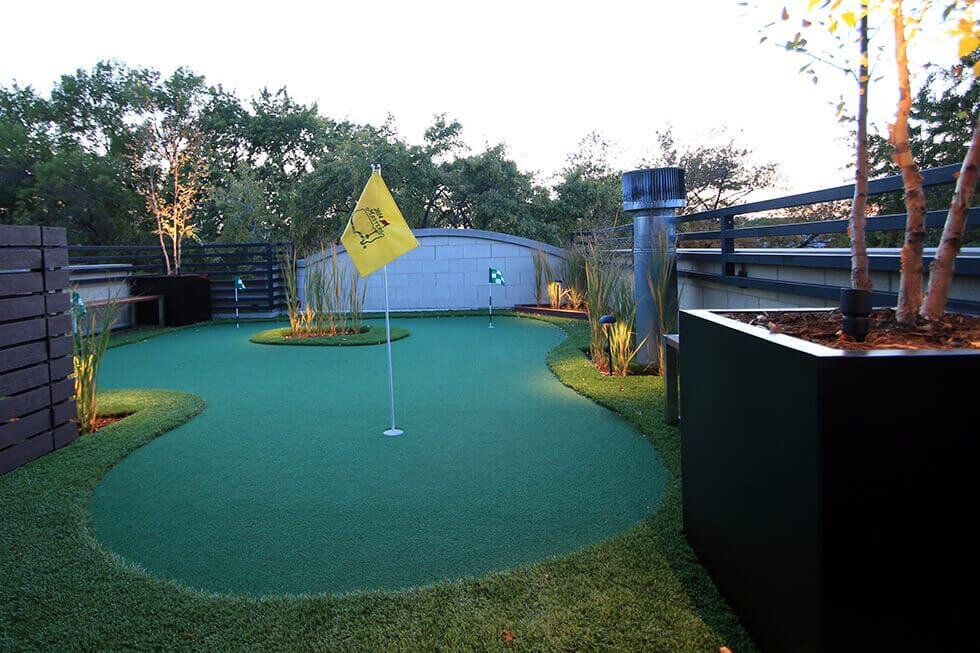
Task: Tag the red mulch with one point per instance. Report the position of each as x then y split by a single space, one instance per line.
953 331
102 422
348 332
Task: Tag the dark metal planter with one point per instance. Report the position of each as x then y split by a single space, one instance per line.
829 493
187 297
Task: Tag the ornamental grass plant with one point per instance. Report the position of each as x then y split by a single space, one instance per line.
334 299
91 333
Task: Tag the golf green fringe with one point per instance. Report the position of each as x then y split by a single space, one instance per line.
374 335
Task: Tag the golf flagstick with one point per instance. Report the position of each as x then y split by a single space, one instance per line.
376 234
491 305
391 383
239 285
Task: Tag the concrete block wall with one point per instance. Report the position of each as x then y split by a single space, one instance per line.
449 270
101 283
706 294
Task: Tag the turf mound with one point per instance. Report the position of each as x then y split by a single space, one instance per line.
369 335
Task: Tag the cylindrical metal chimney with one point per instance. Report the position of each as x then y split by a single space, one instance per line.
651 198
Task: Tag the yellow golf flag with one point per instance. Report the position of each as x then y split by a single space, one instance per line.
376 233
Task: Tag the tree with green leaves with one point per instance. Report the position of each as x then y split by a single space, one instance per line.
718 172
905 19
168 155
589 194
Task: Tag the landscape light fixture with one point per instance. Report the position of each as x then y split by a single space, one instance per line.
607 321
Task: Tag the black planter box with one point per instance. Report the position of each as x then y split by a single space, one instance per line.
187 297
830 494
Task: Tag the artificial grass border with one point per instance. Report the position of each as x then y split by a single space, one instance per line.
641 590
374 335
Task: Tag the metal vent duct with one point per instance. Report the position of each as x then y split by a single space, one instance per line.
659 188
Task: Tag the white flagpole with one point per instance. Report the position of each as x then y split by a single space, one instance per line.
236 303
491 305
391 383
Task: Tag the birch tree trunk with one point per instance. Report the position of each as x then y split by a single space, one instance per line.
941 270
910 284
860 278
158 214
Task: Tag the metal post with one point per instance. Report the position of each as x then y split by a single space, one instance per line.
391 382
651 198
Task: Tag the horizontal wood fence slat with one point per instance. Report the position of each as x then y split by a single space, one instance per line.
258 264
37 412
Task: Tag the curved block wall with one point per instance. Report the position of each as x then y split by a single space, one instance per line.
449 270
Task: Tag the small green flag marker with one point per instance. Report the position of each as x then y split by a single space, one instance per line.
239 285
78 310
496 278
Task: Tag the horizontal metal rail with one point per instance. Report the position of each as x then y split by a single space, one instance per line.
258 264
732 260
893 222
932 177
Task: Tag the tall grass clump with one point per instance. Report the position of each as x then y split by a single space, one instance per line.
598 284
287 263
622 351
91 333
622 304
574 272
556 294
661 281
334 299
542 273
575 297
608 289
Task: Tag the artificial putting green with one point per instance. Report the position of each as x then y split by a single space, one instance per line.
285 483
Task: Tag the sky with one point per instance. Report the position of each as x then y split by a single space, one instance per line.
538 76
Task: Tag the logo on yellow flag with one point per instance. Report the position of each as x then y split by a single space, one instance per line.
376 233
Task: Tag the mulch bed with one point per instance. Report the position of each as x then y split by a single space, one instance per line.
953 331
324 334
545 309
102 422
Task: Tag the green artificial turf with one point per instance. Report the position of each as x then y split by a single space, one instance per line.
139 333
287 484
640 590
371 335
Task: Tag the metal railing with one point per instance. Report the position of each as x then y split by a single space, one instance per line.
733 261
258 264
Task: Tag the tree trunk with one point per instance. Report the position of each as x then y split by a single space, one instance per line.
941 270
860 278
910 284
155 207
